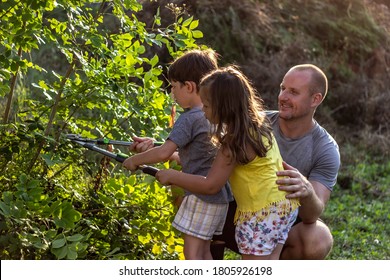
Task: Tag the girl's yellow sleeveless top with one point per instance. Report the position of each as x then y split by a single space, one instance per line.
254 187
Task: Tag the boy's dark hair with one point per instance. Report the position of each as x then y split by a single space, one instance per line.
192 66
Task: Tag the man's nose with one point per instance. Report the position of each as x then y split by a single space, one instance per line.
283 95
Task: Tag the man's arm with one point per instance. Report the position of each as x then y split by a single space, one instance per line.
313 206
312 195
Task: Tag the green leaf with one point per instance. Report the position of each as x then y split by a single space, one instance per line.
141 50
197 34
76 237
50 234
58 243
156 249
144 239
60 253
180 44
65 216
8 197
35 194
4 209
40 245
71 254
52 159
154 60
43 85
187 21
194 24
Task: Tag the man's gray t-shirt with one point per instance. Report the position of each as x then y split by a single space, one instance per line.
191 134
316 154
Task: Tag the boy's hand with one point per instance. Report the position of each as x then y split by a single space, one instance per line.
129 164
141 144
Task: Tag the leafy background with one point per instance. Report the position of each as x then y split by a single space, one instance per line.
97 68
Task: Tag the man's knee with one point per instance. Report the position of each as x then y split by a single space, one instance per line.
308 241
323 241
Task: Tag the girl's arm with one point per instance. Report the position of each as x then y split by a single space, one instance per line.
153 155
211 184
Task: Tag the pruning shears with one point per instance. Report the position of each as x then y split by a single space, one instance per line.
91 144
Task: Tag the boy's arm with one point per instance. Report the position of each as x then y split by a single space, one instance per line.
142 144
154 155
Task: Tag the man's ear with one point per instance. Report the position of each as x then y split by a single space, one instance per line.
317 99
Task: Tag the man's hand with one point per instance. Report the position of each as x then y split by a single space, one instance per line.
293 182
312 195
141 144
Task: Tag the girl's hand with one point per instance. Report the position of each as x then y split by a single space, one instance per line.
129 164
165 176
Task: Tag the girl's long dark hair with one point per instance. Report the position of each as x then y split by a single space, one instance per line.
239 114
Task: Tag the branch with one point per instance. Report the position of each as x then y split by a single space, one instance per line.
11 92
53 113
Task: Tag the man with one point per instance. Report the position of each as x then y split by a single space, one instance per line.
304 144
312 161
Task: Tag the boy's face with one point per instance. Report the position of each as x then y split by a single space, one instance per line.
179 93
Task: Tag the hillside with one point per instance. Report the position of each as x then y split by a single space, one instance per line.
349 40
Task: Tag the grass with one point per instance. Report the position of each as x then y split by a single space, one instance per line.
360 225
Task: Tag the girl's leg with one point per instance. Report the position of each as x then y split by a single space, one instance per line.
263 239
196 248
273 256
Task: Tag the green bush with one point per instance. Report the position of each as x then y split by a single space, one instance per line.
90 69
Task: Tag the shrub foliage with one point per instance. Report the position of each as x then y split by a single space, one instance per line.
90 68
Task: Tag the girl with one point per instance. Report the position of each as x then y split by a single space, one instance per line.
199 216
249 157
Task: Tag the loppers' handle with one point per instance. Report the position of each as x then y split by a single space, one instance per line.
149 170
120 157
145 168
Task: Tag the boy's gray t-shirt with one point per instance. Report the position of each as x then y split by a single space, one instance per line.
316 154
191 134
